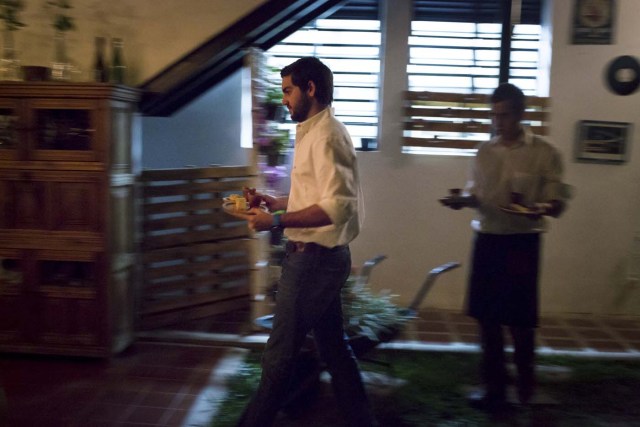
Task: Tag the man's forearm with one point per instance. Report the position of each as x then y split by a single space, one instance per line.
313 216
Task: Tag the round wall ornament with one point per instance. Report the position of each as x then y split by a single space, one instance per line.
623 75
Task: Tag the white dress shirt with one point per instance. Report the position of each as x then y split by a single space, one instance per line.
532 167
325 173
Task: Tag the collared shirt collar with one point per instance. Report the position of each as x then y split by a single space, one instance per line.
303 128
526 138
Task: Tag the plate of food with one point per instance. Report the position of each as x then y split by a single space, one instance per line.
232 198
518 209
239 208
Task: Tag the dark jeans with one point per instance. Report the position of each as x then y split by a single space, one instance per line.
308 299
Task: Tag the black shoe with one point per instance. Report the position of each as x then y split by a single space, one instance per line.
488 402
526 388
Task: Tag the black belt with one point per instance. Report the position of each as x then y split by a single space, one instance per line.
293 246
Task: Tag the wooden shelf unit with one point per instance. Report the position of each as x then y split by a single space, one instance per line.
69 157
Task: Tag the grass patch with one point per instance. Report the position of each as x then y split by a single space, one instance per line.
596 393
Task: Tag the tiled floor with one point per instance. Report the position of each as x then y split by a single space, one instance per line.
150 384
156 383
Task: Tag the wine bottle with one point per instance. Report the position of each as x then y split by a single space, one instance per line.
100 71
117 63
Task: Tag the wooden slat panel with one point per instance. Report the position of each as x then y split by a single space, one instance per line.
192 237
167 318
466 127
192 187
181 206
193 300
197 173
195 220
467 98
453 114
432 126
195 267
440 143
466 113
195 257
183 287
168 254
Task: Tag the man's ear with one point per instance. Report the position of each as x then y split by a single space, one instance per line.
311 88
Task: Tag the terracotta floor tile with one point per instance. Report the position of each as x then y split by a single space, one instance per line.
577 322
428 326
605 345
547 331
561 343
155 384
631 335
101 411
145 414
160 400
176 418
593 333
434 337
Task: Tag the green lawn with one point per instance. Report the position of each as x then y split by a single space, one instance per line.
595 393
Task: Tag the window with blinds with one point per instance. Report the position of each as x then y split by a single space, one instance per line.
455 48
349 42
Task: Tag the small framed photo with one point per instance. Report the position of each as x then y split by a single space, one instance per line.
593 22
603 142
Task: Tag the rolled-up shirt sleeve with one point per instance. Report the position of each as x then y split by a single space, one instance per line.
336 168
553 187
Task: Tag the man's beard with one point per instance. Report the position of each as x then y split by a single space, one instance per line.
300 112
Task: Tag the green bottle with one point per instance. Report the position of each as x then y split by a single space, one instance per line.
117 63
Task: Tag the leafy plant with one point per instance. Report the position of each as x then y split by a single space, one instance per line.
372 315
274 142
62 21
273 90
9 13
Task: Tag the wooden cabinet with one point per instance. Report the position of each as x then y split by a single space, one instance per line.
68 163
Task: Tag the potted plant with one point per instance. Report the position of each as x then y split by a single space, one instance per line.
9 13
62 22
273 144
272 105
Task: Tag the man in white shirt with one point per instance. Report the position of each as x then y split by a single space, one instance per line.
322 215
514 166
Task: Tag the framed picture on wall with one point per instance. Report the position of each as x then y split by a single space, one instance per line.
593 21
603 142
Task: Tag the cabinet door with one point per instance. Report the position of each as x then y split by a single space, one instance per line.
52 200
70 299
10 127
65 130
13 311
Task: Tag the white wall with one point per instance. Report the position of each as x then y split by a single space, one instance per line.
202 133
156 33
587 251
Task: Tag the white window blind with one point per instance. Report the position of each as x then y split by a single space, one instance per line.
455 48
351 49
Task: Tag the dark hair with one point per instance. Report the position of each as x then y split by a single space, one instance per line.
312 69
512 93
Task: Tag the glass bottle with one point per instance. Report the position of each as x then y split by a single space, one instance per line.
60 68
117 63
9 63
100 71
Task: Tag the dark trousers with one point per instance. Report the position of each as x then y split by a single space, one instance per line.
309 300
493 365
503 293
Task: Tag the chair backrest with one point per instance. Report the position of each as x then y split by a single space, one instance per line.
365 271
